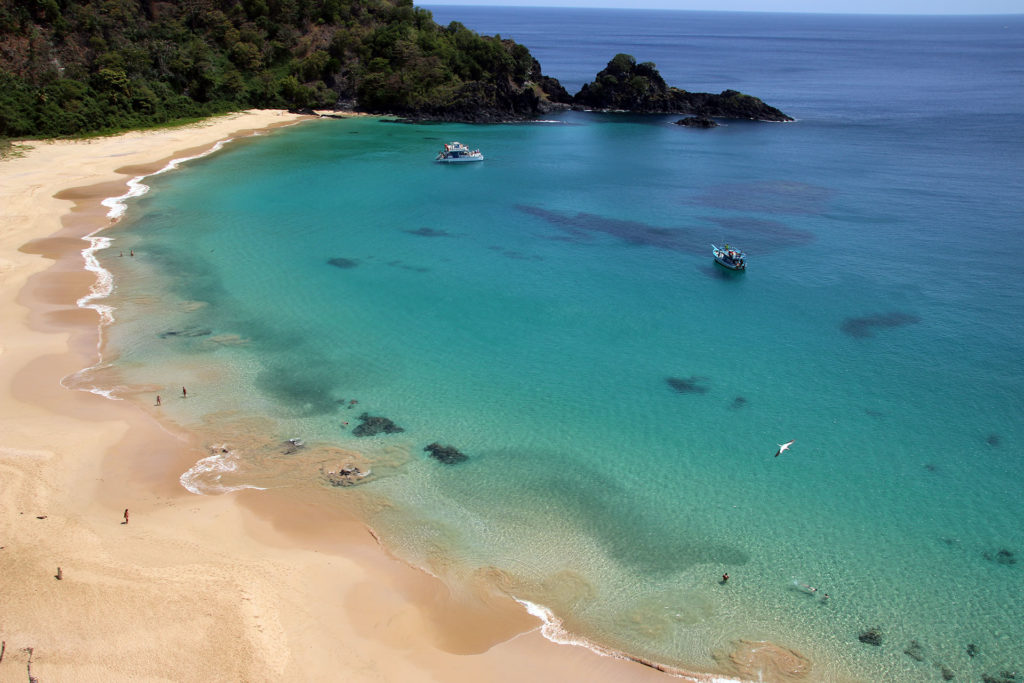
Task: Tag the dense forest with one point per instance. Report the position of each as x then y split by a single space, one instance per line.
69 67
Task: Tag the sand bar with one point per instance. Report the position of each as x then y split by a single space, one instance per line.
240 586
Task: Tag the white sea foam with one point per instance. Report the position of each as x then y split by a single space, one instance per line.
104 284
552 628
204 478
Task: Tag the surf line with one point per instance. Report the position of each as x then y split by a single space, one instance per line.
103 286
553 629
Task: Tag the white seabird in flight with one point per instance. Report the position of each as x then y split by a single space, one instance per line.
783 447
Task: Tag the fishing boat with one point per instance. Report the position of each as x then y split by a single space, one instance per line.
458 153
733 259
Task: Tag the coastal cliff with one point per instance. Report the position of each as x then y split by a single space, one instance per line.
73 67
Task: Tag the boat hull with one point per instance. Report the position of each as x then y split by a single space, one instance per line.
460 160
729 264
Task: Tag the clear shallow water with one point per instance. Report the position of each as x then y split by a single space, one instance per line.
530 311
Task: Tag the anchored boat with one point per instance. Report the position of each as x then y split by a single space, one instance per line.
733 259
457 153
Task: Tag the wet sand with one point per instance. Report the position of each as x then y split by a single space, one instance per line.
249 585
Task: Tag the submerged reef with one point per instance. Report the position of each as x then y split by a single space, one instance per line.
449 455
371 426
1002 556
915 651
872 636
865 326
429 232
340 262
993 440
187 332
688 385
1004 676
738 402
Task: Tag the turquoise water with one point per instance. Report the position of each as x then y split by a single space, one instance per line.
531 310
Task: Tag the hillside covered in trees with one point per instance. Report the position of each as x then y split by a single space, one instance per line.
74 66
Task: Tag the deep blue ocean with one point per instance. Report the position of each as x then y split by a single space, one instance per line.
555 314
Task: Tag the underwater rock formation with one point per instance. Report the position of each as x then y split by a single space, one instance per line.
687 385
863 327
187 332
738 402
339 262
993 440
429 232
1002 556
449 455
872 636
972 650
371 426
914 651
1004 676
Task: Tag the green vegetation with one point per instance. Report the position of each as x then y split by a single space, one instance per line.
69 67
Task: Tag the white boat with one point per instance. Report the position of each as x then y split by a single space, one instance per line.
458 153
733 259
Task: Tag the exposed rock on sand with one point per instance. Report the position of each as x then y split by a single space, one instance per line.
764 661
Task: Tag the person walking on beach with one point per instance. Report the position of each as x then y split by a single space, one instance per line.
125 516
158 399
184 392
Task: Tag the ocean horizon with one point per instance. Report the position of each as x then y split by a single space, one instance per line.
554 314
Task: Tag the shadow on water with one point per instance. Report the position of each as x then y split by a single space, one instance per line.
649 539
756 235
865 326
770 196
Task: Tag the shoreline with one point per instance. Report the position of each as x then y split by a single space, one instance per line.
244 581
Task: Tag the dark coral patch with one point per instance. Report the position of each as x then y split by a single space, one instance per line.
865 326
371 426
449 455
738 402
993 440
687 385
429 232
339 262
872 636
1002 556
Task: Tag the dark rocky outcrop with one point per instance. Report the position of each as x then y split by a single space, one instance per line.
449 455
371 426
1004 676
872 636
346 475
697 122
972 650
342 262
625 85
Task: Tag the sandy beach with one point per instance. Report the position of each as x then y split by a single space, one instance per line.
240 586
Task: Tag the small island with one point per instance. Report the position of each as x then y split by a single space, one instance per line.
624 85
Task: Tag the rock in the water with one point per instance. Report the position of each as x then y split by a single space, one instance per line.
371 426
687 385
872 636
625 85
346 475
292 446
341 262
449 455
697 122
972 650
1003 556
187 332
914 651
946 673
